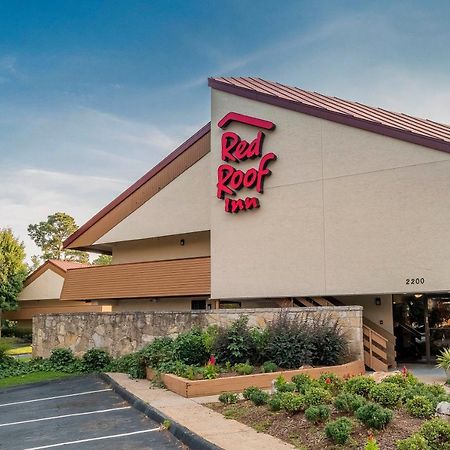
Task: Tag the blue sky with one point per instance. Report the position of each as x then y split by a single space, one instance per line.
94 93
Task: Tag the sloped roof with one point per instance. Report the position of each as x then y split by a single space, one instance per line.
396 125
56 265
138 193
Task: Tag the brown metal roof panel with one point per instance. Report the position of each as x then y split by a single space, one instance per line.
182 277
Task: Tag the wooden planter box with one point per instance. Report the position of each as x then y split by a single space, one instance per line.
200 388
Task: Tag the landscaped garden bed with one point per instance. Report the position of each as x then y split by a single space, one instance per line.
396 413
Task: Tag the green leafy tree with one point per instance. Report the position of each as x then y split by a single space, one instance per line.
102 260
13 269
50 234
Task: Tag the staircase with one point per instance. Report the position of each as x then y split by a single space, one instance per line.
379 344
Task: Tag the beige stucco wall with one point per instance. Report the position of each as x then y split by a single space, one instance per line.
345 212
46 287
163 248
181 207
159 304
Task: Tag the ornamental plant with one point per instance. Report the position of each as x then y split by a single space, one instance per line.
339 430
317 414
315 396
443 359
414 442
386 394
190 348
228 398
349 403
437 434
374 416
360 385
420 407
292 402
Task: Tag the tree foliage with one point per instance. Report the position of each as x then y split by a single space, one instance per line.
50 234
102 260
12 269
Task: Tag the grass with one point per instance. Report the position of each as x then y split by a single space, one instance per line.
33 378
20 350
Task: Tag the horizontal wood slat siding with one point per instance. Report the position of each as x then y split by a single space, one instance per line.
144 193
179 277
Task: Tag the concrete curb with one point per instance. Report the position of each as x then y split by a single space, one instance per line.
186 436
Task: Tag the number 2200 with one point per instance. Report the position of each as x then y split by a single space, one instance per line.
415 280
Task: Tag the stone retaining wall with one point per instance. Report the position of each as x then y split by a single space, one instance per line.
125 332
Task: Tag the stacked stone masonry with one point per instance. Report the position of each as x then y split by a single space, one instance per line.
122 333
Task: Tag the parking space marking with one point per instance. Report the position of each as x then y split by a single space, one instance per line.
53 398
93 439
64 416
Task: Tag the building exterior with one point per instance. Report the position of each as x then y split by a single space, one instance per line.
42 291
287 197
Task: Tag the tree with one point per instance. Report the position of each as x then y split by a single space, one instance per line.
49 236
13 269
102 260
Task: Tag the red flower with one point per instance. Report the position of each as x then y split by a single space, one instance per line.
212 360
404 371
328 381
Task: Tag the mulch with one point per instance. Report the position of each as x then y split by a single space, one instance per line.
296 430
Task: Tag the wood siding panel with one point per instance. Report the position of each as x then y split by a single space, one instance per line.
174 278
161 179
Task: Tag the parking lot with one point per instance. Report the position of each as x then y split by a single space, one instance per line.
77 413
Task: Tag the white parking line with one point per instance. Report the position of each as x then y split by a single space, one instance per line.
53 398
64 416
92 439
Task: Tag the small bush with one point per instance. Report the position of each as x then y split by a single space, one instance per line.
160 351
281 385
374 416
243 368
331 382
275 402
371 444
291 402
360 385
269 366
414 442
259 398
402 380
95 360
339 430
420 407
349 403
235 344
315 396
386 394
190 347
316 414
302 382
61 359
437 434
4 347
249 391
228 398
210 371
132 364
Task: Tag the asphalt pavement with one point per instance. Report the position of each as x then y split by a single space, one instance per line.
76 413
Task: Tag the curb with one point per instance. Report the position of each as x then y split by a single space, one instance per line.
183 434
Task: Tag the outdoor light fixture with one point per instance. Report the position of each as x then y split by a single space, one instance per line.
418 295
181 241
378 301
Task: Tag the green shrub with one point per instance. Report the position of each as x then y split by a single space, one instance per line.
315 396
8 328
4 347
132 364
281 385
243 368
349 403
249 391
386 394
402 380
437 434
360 385
190 348
275 402
269 366
228 398
374 416
95 360
235 344
160 351
316 414
414 442
329 342
292 402
371 444
209 338
331 382
434 393
339 430
210 371
61 359
302 382
259 338
420 407
259 397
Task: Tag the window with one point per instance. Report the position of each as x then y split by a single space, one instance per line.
198 304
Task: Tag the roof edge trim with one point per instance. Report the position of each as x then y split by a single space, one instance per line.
332 116
135 186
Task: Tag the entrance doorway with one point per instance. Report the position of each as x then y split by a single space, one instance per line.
421 326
